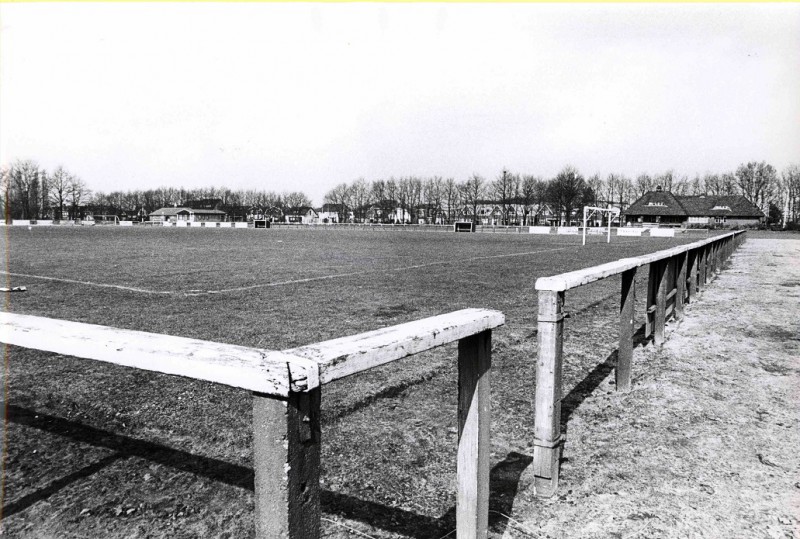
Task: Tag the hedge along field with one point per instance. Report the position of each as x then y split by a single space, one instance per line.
100 450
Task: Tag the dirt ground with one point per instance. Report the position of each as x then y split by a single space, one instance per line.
707 442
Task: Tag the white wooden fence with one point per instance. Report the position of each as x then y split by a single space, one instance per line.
286 398
676 276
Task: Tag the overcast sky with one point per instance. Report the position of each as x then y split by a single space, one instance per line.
302 97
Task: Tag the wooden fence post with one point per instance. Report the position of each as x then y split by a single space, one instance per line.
693 287
286 452
626 315
703 279
652 290
660 318
547 438
680 285
474 420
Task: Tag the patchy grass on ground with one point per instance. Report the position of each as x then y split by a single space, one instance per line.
98 450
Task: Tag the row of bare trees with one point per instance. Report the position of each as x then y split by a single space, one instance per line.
565 194
30 192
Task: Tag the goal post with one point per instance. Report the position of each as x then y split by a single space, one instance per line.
464 226
105 219
589 210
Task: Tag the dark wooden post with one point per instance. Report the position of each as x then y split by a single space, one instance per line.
286 452
714 259
680 286
703 254
626 316
693 288
547 438
474 419
660 317
652 289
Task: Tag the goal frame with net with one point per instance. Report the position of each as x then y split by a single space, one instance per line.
105 219
589 210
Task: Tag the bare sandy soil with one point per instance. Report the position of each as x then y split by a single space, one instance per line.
707 442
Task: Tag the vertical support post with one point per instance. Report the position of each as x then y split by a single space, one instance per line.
714 259
286 457
652 289
660 318
547 439
703 267
692 292
680 294
626 315
474 419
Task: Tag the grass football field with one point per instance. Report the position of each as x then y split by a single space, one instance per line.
95 450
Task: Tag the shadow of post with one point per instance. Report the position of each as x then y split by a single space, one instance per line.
504 478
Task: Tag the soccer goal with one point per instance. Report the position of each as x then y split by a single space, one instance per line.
590 210
464 226
105 219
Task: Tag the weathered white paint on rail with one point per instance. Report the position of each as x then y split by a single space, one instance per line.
264 371
572 279
342 357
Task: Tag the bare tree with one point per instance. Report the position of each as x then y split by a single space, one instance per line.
758 182
296 199
432 193
339 197
567 192
501 191
76 194
698 186
59 189
791 186
473 190
451 197
360 195
666 180
644 183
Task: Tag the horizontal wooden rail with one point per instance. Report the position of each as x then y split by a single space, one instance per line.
264 371
676 275
574 279
286 398
342 357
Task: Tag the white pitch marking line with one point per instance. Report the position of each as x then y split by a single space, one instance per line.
193 293
90 283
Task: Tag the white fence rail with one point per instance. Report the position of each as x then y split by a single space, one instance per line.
286 398
675 277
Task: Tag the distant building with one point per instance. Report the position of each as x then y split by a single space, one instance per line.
659 207
335 213
301 214
173 215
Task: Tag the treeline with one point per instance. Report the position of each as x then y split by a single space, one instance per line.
567 193
30 192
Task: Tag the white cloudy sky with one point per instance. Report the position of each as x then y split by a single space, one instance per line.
288 96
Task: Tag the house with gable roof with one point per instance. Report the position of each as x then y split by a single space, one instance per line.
663 208
180 214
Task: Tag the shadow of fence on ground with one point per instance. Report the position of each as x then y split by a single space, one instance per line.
504 478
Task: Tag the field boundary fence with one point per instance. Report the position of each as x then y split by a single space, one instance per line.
286 387
676 276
